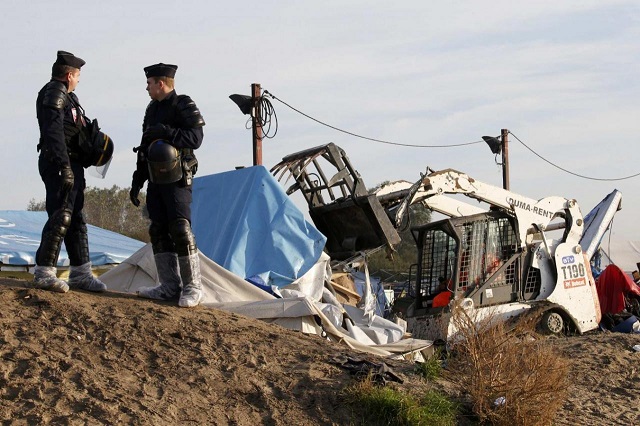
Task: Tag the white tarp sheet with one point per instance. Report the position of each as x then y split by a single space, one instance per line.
226 291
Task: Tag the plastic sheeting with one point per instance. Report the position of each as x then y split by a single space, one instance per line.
378 298
20 233
245 222
219 285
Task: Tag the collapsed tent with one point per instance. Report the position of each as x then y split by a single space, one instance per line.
256 232
297 310
20 233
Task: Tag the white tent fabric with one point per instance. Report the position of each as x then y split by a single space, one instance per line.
226 291
219 284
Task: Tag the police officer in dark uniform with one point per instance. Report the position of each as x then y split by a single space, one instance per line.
67 146
171 130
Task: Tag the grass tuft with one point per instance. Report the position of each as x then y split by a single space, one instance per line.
431 368
386 406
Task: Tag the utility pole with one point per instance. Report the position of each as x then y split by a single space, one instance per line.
257 124
504 136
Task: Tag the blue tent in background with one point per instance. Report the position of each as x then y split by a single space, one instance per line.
20 233
245 222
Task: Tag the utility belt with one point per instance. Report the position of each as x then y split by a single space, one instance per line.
75 137
74 153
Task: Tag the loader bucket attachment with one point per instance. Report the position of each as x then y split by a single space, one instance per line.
339 204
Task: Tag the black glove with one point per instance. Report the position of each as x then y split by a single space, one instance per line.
155 132
66 174
133 195
136 185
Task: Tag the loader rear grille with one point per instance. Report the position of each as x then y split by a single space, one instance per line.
438 260
533 283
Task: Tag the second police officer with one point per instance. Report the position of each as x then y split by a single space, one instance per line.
172 129
69 143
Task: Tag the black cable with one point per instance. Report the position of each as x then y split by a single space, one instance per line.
570 172
267 93
264 120
266 112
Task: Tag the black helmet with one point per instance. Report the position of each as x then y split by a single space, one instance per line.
102 149
163 160
96 147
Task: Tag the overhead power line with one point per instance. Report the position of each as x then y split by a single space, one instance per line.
570 172
266 92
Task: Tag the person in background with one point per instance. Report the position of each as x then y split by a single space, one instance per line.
443 297
65 152
171 131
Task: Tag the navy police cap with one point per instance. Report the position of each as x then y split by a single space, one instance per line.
161 70
66 58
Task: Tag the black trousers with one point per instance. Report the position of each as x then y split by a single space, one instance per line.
169 202
166 204
75 237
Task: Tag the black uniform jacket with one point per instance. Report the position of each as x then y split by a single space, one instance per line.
60 128
181 135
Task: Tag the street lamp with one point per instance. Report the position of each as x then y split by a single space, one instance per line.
501 146
494 143
250 105
244 102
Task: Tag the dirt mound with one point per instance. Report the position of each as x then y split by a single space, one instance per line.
111 358
604 377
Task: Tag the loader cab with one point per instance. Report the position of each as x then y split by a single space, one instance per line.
481 258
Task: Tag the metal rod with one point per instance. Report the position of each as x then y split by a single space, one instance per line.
504 133
257 124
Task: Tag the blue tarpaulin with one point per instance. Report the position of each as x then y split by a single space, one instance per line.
245 222
20 233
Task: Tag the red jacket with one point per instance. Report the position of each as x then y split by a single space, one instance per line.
441 299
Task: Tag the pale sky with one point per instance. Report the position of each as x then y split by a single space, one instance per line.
561 75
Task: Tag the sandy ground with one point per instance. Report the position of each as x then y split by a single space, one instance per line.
81 358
